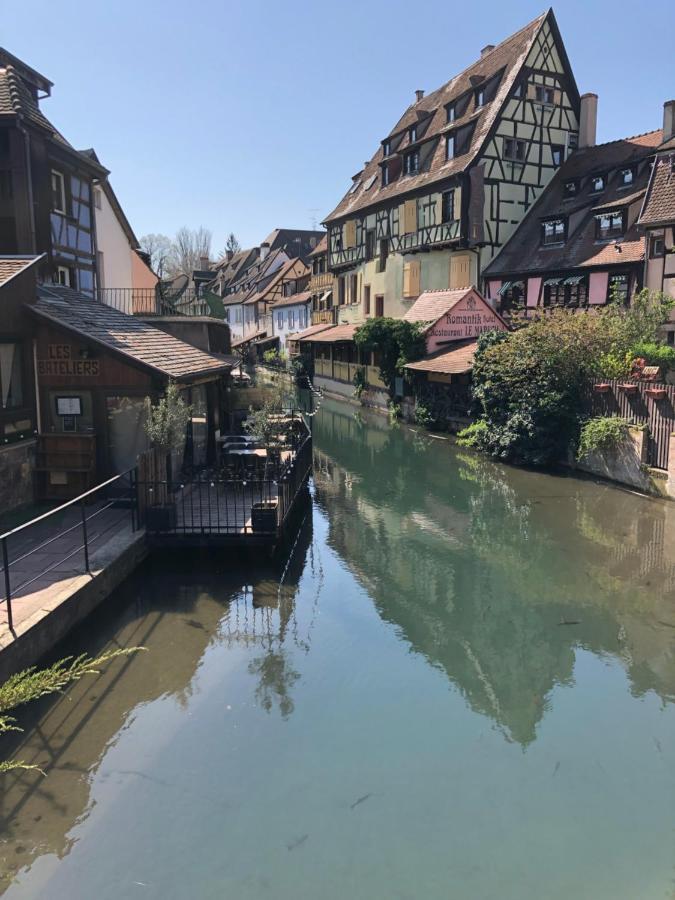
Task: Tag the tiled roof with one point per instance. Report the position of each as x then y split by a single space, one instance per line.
456 360
659 205
309 333
251 337
321 247
264 287
293 300
431 305
507 58
17 100
333 334
523 252
12 265
126 335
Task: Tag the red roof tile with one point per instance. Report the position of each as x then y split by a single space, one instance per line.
12 265
456 360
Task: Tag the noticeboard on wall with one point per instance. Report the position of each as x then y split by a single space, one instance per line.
68 406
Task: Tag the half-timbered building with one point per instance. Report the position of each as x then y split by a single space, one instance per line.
580 244
452 180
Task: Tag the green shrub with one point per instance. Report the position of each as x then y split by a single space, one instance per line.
474 435
423 416
394 410
398 342
360 382
614 365
655 354
601 434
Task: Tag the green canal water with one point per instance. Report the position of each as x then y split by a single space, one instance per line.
458 684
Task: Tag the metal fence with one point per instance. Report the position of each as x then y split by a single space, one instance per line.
154 302
642 403
66 534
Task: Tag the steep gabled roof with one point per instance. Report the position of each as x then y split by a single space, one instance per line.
505 60
293 300
11 266
659 205
523 252
457 359
126 335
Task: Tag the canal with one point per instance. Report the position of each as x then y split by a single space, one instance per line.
458 682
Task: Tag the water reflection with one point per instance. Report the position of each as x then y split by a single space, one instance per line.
497 575
179 610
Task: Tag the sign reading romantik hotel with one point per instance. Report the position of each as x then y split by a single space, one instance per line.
60 362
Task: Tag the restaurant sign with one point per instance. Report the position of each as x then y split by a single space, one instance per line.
467 319
62 362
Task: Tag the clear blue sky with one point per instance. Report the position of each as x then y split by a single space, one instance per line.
247 116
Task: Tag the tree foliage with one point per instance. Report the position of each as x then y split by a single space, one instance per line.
159 248
396 341
232 246
34 683
528 385
167 420
600 434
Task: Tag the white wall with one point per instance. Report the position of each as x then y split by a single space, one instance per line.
298 315
113 243
235 319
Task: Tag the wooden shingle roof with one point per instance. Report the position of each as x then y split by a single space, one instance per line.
125 335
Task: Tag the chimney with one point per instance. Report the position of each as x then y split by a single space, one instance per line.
668 120
229 254
486 49
203 263
264 250
588 120
418 95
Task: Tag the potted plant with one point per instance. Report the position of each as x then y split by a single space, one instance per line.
601 387
265 425
628 388
165 424
657 393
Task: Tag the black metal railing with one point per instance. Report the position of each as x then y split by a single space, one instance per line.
35 549
154 301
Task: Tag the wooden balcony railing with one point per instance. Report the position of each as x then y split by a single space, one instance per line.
324 316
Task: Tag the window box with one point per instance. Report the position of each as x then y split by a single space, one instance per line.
264 515
628 388
602 388
656 393
161 518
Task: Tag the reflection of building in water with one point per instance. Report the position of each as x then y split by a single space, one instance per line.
479 567
177 613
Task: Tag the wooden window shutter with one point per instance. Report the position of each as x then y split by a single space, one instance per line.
460 271
415 278
457 203
557 97
531 91
401 219
350 233
406 280
439 209
410 216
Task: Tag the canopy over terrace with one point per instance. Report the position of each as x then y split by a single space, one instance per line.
337 358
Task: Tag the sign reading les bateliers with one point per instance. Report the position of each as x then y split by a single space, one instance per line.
61 361
467 319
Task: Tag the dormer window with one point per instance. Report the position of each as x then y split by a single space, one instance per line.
412 133
557 151
385 176
450 146
386 148
480 98
411 162
609 225
515 149
598 183
570 189
451 113
627 176
552 232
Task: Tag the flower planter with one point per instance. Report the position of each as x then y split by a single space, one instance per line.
628 388
264 515
656 393
603 388
161 518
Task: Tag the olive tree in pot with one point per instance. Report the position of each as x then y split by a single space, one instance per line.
165 424
265 425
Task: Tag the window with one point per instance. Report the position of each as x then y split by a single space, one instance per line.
64 276
411 162
570 189
552 231
100 268
448 206
572 141
570 292
451 113
657 246
366 299
412 133
384 253
370 245
353 288
557 154
58 192
11 378
515 149
450 146
609 225
617 288
626 177
518 90
598 183
341 291
291 318
379 305
385 175
280 320
237 315
386 148
480 97
97 198
544 94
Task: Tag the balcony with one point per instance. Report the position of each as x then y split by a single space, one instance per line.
323 282
325 316
154 302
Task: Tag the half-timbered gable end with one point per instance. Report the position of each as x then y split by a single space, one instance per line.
455 176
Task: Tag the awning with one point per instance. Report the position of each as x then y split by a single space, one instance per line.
504 288
552 282
453 360
574 279
324 297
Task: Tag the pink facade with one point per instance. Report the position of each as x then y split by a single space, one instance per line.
141 274
493 289
533 291
467 319
597 287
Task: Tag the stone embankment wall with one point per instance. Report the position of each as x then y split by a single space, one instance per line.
626 464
